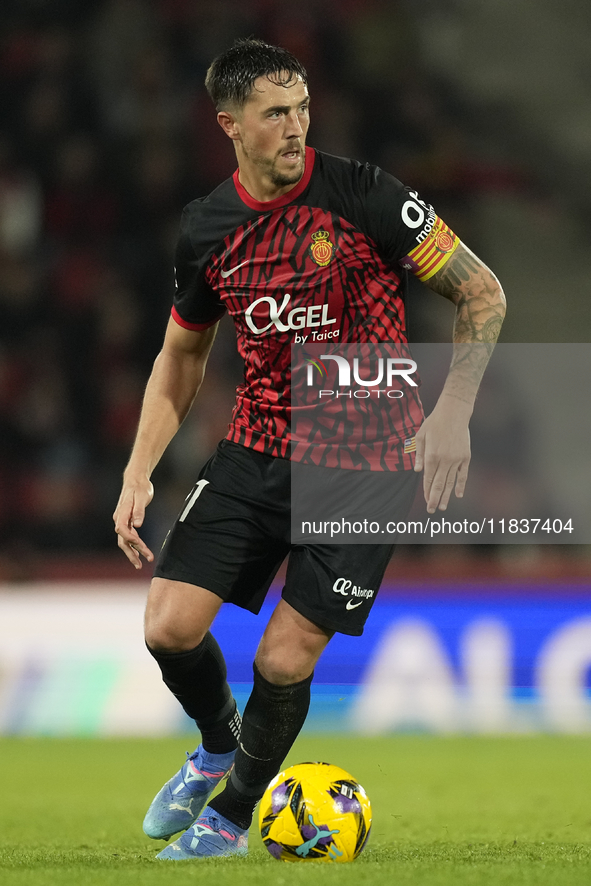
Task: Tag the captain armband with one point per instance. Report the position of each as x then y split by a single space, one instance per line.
432 252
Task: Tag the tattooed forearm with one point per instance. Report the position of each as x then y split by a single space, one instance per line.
455 274
480 309
476 293
492 327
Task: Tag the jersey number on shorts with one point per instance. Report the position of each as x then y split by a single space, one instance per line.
194 496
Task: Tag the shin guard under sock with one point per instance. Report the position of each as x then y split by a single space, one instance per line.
197 678
272 721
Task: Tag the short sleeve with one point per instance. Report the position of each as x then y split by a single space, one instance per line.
407 231
195 304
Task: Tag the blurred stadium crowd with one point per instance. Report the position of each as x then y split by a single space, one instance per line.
105 133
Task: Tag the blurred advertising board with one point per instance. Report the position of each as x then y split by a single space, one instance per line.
486 658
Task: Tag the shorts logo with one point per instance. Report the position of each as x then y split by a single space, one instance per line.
341 586
322 249
346 587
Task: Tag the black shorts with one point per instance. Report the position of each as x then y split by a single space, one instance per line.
234 532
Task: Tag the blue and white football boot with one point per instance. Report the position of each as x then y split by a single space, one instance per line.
176 806
211 836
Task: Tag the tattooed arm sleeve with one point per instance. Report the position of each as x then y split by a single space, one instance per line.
480 309
476 293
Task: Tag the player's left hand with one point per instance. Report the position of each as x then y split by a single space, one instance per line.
443 452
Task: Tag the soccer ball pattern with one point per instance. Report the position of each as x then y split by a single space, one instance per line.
315 812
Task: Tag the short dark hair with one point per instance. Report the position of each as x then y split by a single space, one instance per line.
231 76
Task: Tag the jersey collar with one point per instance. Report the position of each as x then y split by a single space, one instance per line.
286 198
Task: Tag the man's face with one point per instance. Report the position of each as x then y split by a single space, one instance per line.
272 127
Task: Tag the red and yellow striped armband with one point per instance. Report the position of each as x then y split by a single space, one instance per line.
432 252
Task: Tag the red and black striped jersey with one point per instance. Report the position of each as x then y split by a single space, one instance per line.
323 263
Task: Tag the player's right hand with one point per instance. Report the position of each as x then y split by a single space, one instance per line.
129 516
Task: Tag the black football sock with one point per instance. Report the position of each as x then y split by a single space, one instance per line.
197 678
272 721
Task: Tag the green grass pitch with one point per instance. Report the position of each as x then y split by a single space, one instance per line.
461 811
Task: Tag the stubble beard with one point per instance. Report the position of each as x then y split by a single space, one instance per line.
268 167
281 181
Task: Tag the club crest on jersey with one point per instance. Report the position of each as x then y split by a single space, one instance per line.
444 241
321 249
